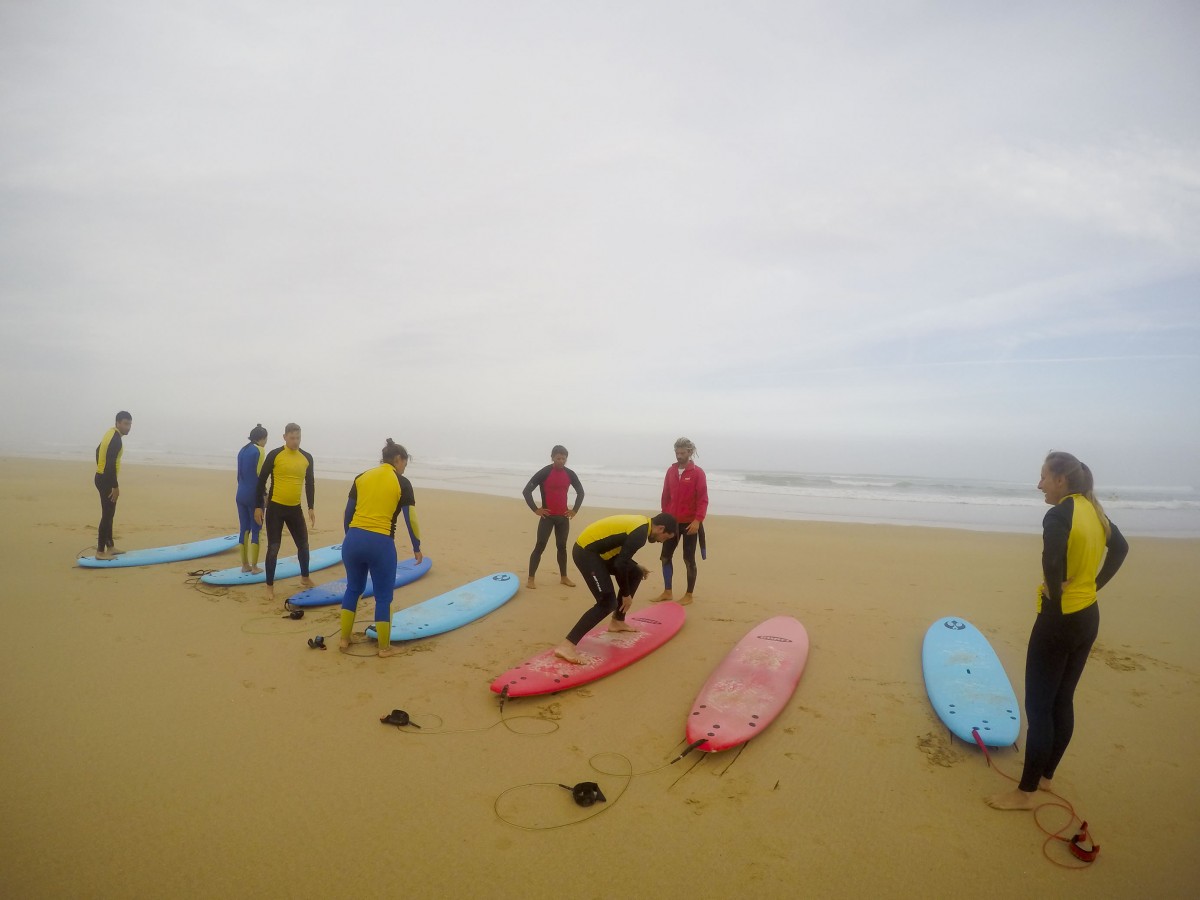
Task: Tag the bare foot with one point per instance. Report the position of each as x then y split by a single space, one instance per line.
306 582
1045 784
665 595
617 625
255 570
245 568
568 651
115 551
389 651
104 554
270 592
530 583
567 581
1014 799
685 599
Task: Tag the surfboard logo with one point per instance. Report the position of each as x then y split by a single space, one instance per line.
954 624
503 576
773 637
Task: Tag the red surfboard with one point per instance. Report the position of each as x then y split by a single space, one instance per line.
750 686
604 651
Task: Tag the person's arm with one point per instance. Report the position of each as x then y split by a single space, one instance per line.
352 505
701 495
408 507
1056 530
538 479
578 492
1118 549
665 506
310 487
264 473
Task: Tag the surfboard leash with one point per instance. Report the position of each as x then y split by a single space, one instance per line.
1085 854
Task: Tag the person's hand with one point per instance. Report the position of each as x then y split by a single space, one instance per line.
570 513
645 571
114 494
542 512
312 518
418 555
694 528
626 602
258 517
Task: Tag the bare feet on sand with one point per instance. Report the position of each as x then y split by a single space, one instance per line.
567 581
685 599
1014 799
306 582
270 592
530 583
568 651
665 595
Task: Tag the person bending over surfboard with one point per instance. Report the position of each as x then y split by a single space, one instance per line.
108 466
249 464
1075 536
685 496
377 498
604 551
289 469
553 515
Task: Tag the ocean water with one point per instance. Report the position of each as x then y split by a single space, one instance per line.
975 504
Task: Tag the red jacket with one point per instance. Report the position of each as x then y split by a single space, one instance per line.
685 496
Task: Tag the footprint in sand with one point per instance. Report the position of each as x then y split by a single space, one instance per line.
938 749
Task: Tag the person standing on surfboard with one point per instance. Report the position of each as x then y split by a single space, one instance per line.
289 469
249 464
553 515
1075 536
377 498
108 466
684 496
604 551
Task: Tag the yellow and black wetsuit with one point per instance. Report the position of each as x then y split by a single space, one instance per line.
289 472
1074 543
108 466
602 551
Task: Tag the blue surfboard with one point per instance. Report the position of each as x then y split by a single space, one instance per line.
967 684
155 555
453 609
289 567
407 571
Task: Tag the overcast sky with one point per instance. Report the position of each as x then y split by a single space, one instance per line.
894 237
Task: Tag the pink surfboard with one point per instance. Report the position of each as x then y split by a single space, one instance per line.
605 652
750 686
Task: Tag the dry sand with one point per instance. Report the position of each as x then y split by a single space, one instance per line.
160 741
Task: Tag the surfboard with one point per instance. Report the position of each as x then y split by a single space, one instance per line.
407 571
453 609
967 685
289 567
605 652
750 687
155 555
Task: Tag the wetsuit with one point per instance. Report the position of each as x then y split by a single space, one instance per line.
685 496
108 466
377 498
553 483
288 471
1073 545
249 464
604 551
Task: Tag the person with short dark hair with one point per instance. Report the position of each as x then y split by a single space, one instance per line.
249 464
290 471
553 515
108 466
604 552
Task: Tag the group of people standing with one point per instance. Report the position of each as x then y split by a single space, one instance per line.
1082 549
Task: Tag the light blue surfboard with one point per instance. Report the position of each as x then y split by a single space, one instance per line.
289 567
155 555
454 608
407 571
967 684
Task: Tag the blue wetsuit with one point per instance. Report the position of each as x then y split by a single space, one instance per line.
249 459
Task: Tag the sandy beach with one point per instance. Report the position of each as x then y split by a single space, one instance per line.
165 741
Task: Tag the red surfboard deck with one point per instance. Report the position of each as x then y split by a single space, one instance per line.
751 686
606 652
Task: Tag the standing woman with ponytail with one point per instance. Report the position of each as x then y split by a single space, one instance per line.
1075 536
249 464
378 497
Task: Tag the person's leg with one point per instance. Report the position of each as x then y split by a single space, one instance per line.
668 568
245 526
298 529
1082 628
383 577
535 558
562 526
108 511
274 523
599 582
689 562
356 561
